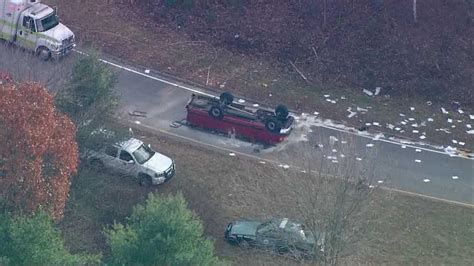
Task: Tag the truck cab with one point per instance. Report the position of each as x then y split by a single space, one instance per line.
35 27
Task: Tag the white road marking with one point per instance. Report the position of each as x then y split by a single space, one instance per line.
152 129
323 126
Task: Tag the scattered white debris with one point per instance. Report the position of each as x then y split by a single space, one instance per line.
412 108
390 126
430 119
376 124
444 111
316 113
270 95
371 186
461 143
303 171
334 150
286 166
450 120
368 92
450 150
404 146
429 103
377 90
380 181
445 130
320 145
363 110
378 136
417 161
422 137
332 140
454 141
402 115
232 154
343 142
255 105
342 155
418 150
147 71
343 98
327 95
351 113
335 161
455 177
369 145
241 101
460 111
359 159
426 180
137 122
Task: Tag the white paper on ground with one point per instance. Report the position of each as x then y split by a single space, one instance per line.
368 92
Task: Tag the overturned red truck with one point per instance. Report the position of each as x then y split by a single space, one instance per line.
225 116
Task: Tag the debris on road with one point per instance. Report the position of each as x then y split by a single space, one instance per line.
444 111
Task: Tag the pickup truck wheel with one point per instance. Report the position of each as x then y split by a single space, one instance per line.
145 181
226 98
281 112
44 53
273 125
216 112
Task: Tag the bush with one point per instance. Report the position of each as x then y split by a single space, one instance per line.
161 232
34 241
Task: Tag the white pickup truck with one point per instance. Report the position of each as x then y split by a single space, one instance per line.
133 158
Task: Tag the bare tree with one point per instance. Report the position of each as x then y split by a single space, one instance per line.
329 194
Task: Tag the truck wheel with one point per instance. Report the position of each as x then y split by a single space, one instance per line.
226 98
281 112
44 53
216 112
145 181
273 125
244 244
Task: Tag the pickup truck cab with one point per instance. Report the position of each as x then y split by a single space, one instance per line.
134 158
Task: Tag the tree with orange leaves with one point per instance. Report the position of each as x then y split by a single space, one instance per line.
38 150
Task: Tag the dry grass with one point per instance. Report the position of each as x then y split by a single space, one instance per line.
401 229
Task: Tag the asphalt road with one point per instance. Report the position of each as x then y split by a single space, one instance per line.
392 165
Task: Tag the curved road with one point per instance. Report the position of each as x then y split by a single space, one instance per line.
408 168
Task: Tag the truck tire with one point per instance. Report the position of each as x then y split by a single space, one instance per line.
226 98
216 112
144 180
273 125
43 53
281 112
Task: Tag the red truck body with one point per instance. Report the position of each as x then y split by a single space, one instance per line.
236 119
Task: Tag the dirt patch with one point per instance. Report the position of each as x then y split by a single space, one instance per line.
202 54
401 229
